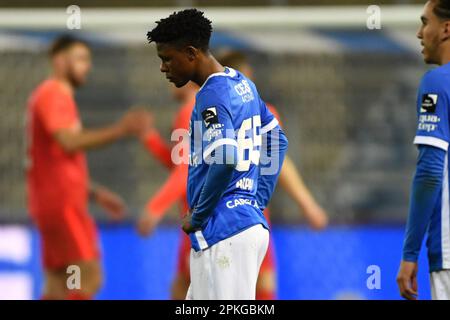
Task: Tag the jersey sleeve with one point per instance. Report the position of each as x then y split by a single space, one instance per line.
432 113
275 113
57 111
273 151
425 191
268 120
219 151
218 134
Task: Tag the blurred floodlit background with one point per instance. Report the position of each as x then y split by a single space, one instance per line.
346 95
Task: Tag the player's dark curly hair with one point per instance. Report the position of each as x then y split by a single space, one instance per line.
442 9
186 27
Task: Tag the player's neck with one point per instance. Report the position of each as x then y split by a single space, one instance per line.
65 84
445 59
445 53
207 67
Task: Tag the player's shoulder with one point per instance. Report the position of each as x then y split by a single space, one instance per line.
218 87
48 85
41 92
48 89
437 79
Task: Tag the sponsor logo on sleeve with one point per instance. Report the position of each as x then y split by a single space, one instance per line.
429 102
210 116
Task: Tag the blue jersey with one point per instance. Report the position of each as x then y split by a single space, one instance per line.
228 112
433 103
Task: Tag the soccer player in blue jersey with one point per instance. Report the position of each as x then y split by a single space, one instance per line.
236 152
429 201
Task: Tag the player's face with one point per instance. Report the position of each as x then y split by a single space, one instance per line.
176 64
78 64
430 34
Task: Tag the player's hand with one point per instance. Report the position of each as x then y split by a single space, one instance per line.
136 122
110 202
407 280
188 228
186 224
317 217
147 223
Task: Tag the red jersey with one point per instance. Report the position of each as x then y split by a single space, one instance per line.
56 178
174 189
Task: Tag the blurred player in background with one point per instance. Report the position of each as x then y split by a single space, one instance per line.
175 187
57 173
172 191
429 202
228 185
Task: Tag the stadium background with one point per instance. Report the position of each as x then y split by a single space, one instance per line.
346 95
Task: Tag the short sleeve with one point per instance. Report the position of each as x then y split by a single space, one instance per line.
217 123
275 113
57 111
432 113
268 120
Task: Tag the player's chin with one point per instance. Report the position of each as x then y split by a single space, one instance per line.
179 83
78 82
427 58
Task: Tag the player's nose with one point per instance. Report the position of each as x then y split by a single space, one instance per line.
419 33
163 68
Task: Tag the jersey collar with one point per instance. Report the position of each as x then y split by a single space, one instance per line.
228 72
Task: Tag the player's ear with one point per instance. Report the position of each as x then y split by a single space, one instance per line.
445 30
191 52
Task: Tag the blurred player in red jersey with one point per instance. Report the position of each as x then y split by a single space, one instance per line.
290 180
57 173
174 189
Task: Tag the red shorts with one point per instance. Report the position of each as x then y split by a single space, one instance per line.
184 254
67 237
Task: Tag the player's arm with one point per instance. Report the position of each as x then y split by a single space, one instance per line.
432 138
73 139
222 154
156 146
217 180
109 201
425 191
173 190
292 182
273 150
